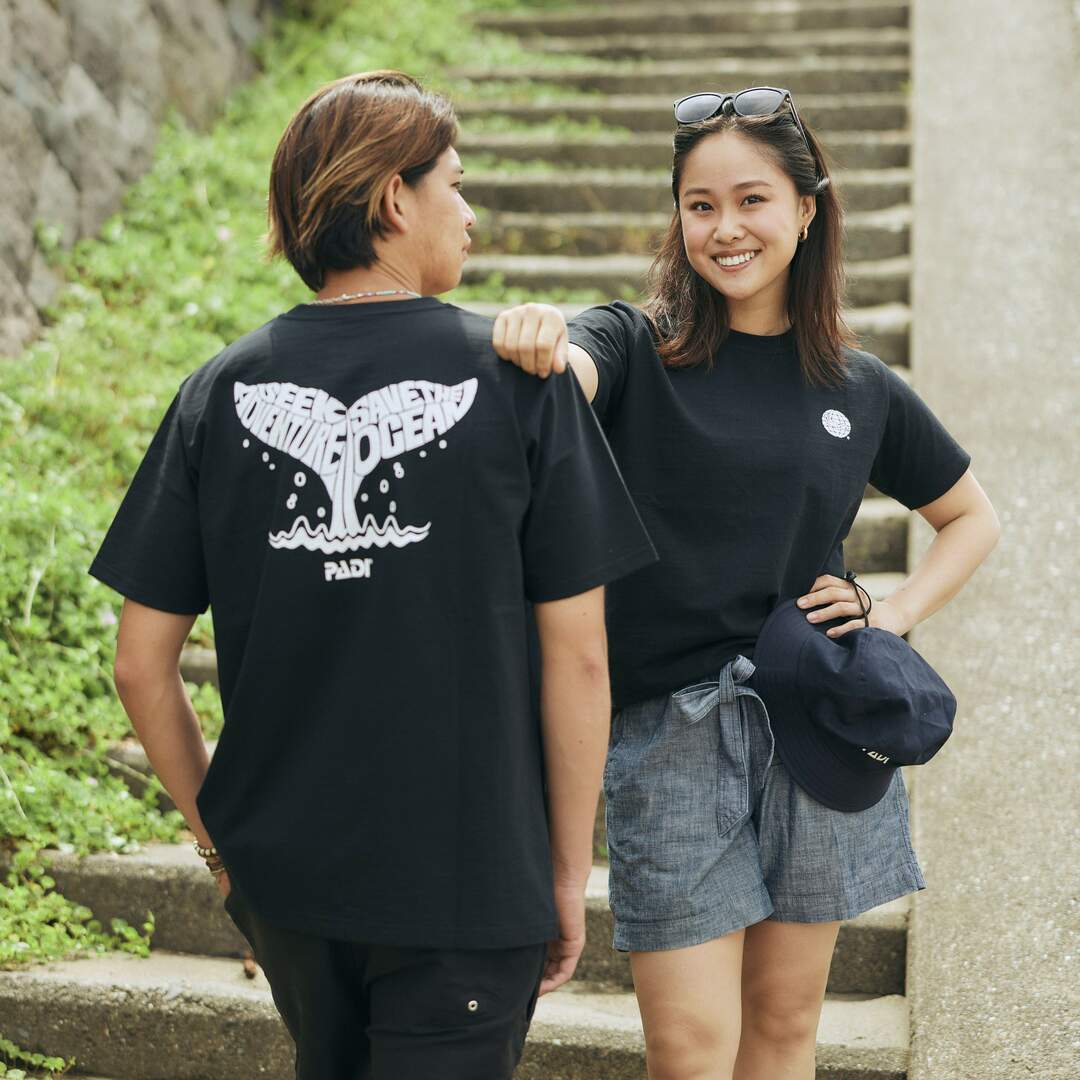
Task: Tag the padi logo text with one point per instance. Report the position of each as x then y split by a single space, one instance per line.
341 569
883 758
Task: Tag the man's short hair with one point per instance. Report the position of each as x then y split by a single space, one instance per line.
334 161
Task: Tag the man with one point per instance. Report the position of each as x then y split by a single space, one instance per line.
369 501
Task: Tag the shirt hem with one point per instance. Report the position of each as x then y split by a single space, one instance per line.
126 586
637 559
925 499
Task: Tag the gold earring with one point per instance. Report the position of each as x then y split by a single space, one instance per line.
804 233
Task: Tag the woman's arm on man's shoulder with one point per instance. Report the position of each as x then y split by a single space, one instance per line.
533 337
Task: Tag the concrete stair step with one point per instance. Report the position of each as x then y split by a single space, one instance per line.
878 539
882 330
747 16
638 113
171 881
800 74
885 281
869 235
624 190
178 1017
878 41
166 1017
651 150
598 1034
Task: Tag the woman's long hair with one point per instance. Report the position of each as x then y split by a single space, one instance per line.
691 317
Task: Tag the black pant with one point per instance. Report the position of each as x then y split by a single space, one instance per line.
375 1012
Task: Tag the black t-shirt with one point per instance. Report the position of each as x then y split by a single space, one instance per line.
748 480
368 498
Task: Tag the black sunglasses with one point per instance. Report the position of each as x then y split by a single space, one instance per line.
755 101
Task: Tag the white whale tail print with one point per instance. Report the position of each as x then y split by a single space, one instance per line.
343 444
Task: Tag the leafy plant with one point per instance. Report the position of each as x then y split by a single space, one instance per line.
13 1057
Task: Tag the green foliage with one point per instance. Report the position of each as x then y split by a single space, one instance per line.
207 703
13 1057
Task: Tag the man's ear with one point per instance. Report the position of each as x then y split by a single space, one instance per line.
395 205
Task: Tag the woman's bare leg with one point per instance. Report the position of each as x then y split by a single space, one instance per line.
690 1001
785 969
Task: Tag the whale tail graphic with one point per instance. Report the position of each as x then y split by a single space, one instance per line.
344 444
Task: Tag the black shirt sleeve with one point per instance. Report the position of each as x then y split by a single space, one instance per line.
606 333
152 552
582 529
918 460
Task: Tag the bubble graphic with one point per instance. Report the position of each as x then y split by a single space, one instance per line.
423 453
442 444
384 486
246 443
321 511
266 456
290 502
399 470
393 507
300 479
272 466
364 497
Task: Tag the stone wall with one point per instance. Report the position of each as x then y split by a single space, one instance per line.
83 87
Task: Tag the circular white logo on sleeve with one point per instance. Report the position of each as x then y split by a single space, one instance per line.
836 423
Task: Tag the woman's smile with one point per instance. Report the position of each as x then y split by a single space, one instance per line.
732 264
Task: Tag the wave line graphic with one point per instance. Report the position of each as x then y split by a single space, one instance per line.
371 534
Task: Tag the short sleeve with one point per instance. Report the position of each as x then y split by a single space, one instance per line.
581 529
918 461
152 552
606 334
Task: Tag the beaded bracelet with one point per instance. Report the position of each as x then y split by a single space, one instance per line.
204 852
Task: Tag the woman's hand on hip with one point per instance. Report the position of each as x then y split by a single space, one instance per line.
533 337
835 598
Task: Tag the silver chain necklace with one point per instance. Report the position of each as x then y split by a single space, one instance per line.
360 295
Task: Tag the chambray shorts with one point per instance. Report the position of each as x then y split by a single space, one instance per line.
708 833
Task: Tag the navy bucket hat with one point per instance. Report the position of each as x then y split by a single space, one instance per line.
847 711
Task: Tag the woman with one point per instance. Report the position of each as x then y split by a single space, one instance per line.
746 427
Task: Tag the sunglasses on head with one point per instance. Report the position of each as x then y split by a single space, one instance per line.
755 101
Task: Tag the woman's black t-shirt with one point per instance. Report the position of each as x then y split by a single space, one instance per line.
748 480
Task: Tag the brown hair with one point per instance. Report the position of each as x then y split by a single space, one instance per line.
691 317
334 162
